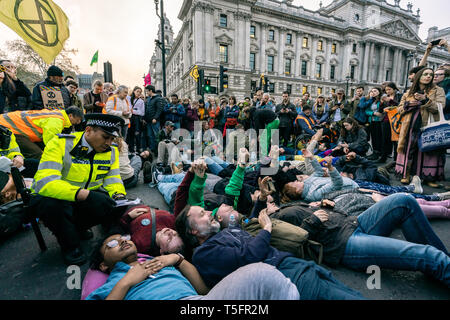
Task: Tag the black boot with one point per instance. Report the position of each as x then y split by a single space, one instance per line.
74 257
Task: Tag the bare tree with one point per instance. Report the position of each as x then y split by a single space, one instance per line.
30 66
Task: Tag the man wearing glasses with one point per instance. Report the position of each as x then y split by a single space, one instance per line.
442 79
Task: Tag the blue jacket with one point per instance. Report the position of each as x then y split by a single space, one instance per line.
360 114
229 250
174 113
307 123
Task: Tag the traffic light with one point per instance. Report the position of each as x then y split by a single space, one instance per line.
107 73
200 81
207 86
223 79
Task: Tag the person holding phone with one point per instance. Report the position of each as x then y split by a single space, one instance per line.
416 106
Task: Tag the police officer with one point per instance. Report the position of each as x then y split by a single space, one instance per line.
67 185
33 129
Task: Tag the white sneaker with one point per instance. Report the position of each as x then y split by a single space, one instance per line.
443 196
417 183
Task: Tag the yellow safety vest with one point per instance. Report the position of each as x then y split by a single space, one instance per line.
13 149
60 174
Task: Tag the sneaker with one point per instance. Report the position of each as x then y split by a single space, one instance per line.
74 257
443 196
147 171
417 183
155 173
433 184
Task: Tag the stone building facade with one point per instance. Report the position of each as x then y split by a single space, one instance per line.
345 44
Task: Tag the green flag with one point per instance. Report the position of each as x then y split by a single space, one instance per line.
94 58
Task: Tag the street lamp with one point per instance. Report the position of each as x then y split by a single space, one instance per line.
409 57
347 78
161 44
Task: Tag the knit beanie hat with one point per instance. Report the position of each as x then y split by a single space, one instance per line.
54 71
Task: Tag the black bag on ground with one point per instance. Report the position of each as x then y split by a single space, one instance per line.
12 216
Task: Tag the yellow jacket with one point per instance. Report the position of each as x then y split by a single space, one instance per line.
13 149
62 172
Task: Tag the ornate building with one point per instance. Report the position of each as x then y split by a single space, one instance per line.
347 43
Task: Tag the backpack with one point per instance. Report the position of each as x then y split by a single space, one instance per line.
287 237
12 216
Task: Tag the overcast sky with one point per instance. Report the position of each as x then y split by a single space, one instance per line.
124 32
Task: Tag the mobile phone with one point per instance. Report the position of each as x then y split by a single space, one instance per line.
271 186
435 42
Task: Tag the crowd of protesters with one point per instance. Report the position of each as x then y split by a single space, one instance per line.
251 216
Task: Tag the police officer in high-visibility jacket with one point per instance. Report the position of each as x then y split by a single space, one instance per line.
34 128
72 169
10 155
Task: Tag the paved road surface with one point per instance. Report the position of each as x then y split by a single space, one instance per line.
26 273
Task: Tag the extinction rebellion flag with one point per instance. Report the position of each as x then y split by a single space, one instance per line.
41 23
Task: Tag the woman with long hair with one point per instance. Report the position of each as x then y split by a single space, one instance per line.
371 107
389 101
353 138
7 87
417 105
138 109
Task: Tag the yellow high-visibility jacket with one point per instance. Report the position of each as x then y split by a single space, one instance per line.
37 125
61 173
13 149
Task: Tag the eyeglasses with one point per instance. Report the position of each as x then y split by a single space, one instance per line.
115 242
438 74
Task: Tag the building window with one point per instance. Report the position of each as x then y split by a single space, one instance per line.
332 72
333 48
319 70
272 87
253 86
289 88
305 42
270 60
352 72
271 35
287 67
223 53
354 48
320 45
252 31
289 38
319 91
304 67
252 61
305 89
387 75
223 21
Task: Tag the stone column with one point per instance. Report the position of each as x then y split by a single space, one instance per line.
281 37
365 75
209 35
198 36
371 66
297 60
394 65
345 60
382 65
312 71
247 42
327 64
262 55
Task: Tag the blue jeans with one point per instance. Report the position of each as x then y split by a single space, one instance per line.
315 282
152 135
385 189
422 251
216 165
169 184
